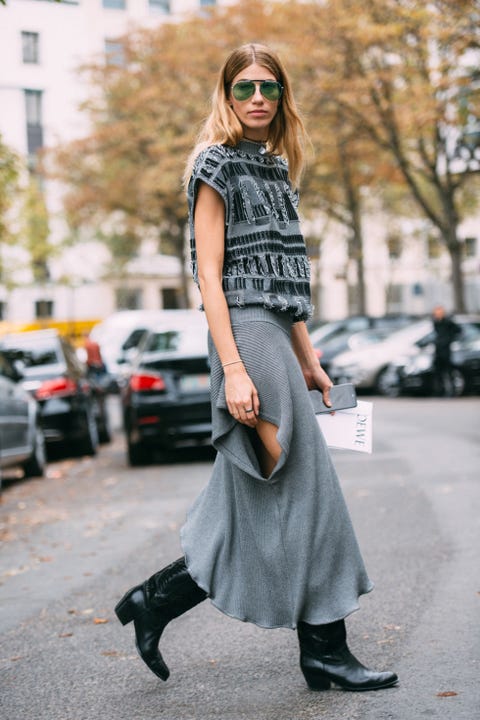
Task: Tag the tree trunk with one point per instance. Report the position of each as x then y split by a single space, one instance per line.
357 253
353 204
458 284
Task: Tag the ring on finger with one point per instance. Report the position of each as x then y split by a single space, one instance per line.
248 410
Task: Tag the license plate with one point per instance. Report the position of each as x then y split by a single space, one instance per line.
193 383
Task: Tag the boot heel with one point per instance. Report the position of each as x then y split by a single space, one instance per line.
124 609
316 680
124 612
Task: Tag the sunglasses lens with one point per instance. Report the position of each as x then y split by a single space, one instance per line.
271 90
243 90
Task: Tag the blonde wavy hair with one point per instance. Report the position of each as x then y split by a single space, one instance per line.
287 135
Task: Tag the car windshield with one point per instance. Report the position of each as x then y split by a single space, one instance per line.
191 340
36 353
367 337
336 329
410 333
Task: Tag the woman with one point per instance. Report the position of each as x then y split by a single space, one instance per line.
269 540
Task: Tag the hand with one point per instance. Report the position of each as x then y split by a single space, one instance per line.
241 396
317 378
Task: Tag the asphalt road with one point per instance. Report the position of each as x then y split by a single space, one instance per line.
72 543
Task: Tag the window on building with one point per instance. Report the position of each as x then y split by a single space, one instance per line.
114 53
30 47
129 299
115 4
470 247
33 113
43 309
3 310
170 299
160 6
205 3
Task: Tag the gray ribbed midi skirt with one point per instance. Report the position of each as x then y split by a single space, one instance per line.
277 550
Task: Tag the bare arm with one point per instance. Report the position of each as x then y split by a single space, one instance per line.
315 376
209 222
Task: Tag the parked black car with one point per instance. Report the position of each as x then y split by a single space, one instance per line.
166 401
21 436
73 410
416 377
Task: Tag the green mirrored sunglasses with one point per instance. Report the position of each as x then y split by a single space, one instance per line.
270 89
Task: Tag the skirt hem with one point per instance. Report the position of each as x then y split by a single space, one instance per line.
263 624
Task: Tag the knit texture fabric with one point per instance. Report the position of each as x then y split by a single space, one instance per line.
265 260
273 551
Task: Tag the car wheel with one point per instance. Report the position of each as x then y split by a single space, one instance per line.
138 454
35 465
104 433
387 383
88 445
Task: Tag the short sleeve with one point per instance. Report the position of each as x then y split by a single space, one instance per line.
209 168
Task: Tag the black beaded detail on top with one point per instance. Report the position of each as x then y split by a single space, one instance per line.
265 260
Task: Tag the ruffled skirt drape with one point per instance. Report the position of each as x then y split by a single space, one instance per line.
276 550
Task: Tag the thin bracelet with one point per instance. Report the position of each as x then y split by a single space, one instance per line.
233 362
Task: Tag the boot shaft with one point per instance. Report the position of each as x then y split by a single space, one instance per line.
322 639
173 590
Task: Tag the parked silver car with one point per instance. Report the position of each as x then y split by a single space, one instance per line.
335 337
21 436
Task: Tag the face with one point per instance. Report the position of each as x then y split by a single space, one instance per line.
256 113
439 312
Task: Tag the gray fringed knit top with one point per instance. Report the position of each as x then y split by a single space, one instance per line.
265 261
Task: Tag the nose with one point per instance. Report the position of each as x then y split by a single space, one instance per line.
257 95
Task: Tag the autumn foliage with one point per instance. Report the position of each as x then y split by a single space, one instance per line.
386 88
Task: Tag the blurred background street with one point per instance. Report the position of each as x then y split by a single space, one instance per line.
73 541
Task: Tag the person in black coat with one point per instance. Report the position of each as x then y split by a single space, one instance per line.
446 331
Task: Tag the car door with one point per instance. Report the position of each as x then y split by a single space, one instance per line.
13 414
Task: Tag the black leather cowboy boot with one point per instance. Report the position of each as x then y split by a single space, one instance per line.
325 658
151 605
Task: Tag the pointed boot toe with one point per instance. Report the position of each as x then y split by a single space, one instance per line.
148 624
153 604
325 659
